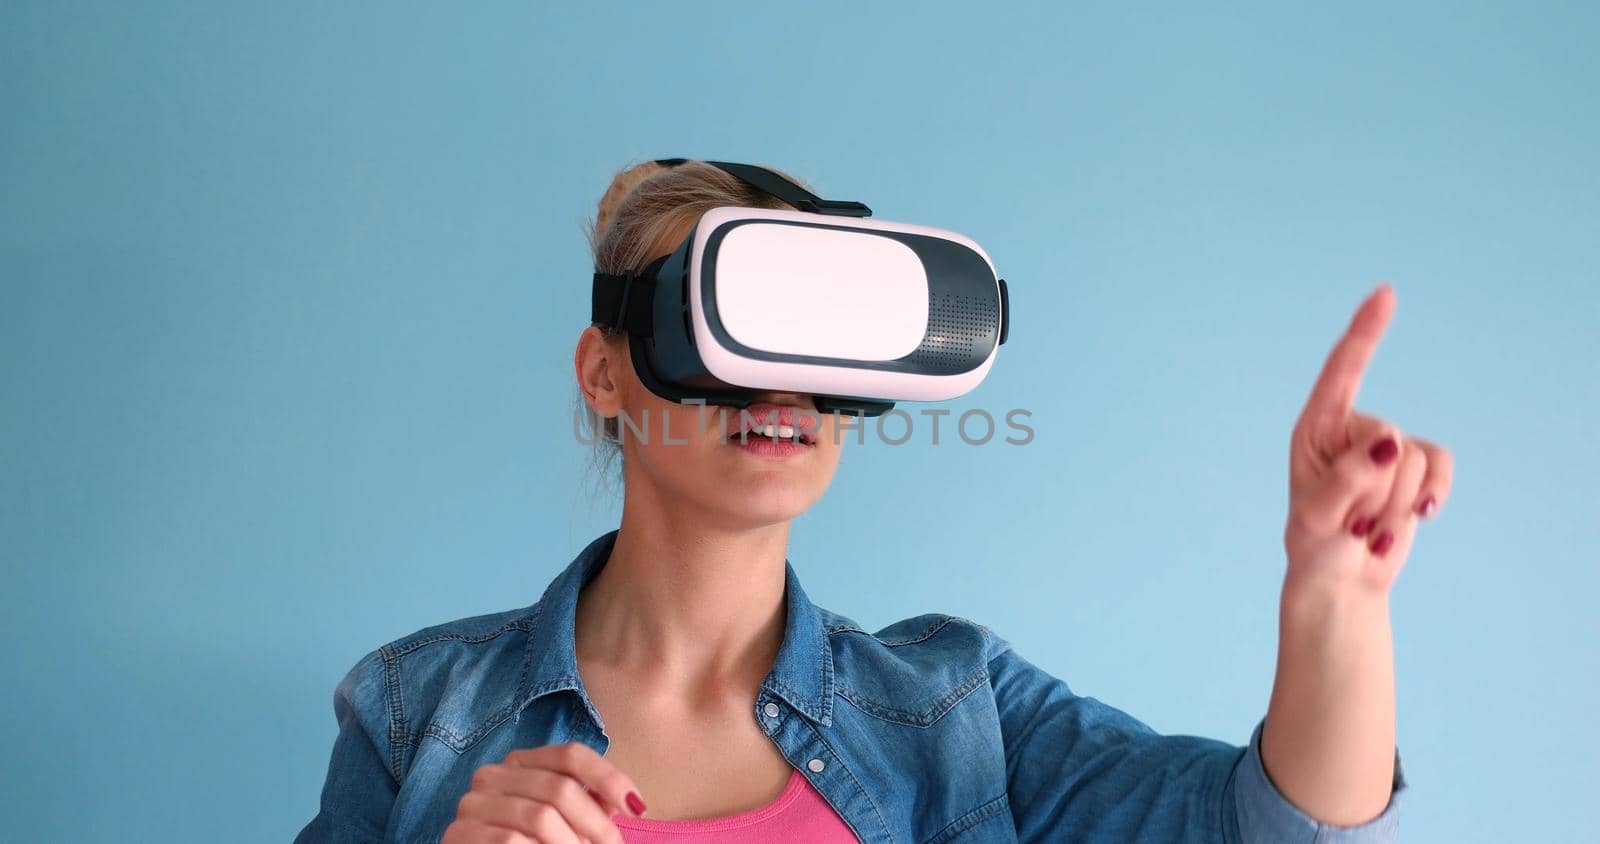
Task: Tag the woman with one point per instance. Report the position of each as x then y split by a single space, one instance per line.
676 662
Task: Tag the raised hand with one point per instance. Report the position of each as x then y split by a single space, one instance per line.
1357 487
1357 484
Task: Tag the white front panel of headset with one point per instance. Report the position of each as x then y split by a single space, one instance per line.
733 368
798 290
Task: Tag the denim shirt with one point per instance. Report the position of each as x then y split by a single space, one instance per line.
931 729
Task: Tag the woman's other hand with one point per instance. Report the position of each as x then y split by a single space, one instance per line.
555 794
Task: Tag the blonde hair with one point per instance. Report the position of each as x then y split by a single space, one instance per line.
647 203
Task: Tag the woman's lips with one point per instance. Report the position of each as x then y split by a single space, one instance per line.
770 449
764 423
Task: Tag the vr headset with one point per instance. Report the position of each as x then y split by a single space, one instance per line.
822 301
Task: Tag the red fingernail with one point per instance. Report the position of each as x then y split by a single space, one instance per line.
1363 525
1426 509
1382 543
1384 451
635 803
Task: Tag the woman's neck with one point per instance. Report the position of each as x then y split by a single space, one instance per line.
685 608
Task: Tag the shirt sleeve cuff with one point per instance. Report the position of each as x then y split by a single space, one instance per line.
1266 815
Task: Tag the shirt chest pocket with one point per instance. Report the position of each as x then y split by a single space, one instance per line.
915 671
920 708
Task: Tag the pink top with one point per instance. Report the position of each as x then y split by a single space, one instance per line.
797 816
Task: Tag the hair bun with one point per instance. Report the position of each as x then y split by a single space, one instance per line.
621 186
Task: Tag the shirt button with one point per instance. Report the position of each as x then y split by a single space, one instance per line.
816 766
771 709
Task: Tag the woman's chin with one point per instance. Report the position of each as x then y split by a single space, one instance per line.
768 505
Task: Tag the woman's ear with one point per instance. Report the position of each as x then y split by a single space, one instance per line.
598 363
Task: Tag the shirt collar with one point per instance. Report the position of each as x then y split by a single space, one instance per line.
802 674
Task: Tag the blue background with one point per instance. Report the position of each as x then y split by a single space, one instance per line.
289 300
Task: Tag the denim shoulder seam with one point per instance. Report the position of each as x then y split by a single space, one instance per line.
403 647
939 621
927 717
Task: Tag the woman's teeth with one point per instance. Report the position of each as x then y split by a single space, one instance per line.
778 432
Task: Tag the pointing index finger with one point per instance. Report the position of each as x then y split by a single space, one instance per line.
1334 395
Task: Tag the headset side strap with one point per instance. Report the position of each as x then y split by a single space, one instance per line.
623 301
